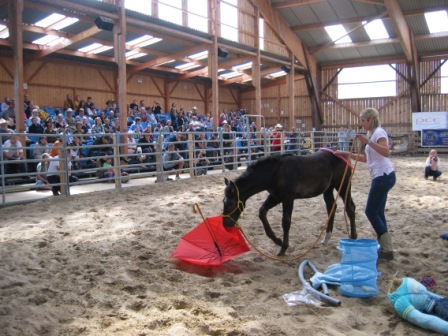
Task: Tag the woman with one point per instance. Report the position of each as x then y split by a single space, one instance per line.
98 128
376 154
433 165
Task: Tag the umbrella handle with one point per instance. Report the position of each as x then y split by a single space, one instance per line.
197 209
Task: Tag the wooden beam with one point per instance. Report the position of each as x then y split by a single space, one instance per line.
409 49
401 27
293 3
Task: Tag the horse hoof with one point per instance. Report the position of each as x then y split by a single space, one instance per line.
281 253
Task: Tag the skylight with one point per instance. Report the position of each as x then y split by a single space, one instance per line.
277 74
230 75
65 22
376 30
134 54
95 48
437 21
138 6
49 40
4 31
200 55
187 66
50 20
338 34
143 41
242 67
90 47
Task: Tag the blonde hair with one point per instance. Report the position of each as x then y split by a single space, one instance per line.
432 151
371 112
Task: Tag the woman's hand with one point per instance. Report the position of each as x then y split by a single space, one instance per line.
364 140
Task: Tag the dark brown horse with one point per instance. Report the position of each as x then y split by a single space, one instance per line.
286 178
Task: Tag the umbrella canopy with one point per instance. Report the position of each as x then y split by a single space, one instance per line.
210 243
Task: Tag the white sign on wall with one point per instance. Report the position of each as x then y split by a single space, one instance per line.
429 120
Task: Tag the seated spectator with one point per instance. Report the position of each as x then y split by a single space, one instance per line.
60 123
13 155
98 128
147 146
4 130
172 160
201 163
433 165
41 170
86 125
41 147
108 126
69 103
34 113
50 131
102 146
69 118
35 127
4 106
75 149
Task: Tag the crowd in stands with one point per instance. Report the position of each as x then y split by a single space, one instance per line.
86 124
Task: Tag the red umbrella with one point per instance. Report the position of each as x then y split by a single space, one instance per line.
210 243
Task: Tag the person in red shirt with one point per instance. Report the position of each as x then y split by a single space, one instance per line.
276 136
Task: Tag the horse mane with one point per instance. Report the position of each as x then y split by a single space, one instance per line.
264 166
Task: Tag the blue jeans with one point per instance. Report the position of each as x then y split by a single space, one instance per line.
376 202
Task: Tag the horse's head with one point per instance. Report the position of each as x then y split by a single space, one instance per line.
233 206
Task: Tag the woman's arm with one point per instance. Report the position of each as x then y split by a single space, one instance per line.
354 156
381 145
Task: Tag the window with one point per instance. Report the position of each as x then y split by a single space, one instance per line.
171 10
367 82
261 32
141 6
338 34
444 79
198 15
229 19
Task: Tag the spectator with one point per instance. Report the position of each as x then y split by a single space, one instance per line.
54 173
35 127
41 147
342 139
68 103
172 160
78 103
70 119
60 123
34 113
4 106
98 127
10 112
433 165
276 137
13 155
41 173
50 131
147 146
108 126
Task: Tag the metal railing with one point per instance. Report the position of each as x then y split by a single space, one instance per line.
86 156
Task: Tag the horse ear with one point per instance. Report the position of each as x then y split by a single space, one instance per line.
226 181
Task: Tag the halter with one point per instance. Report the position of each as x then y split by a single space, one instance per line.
238 204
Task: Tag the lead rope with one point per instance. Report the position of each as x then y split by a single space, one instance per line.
333 208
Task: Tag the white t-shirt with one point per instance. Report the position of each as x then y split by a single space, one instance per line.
378 164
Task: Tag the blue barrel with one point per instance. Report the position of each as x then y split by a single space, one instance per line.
358 265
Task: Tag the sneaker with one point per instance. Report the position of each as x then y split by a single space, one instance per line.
178 177
169 179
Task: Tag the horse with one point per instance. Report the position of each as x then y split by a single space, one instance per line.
286 178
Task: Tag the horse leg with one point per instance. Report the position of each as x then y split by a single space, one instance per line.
286 225
268 204
329 201
350 208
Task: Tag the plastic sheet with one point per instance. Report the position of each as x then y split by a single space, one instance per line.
302 297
